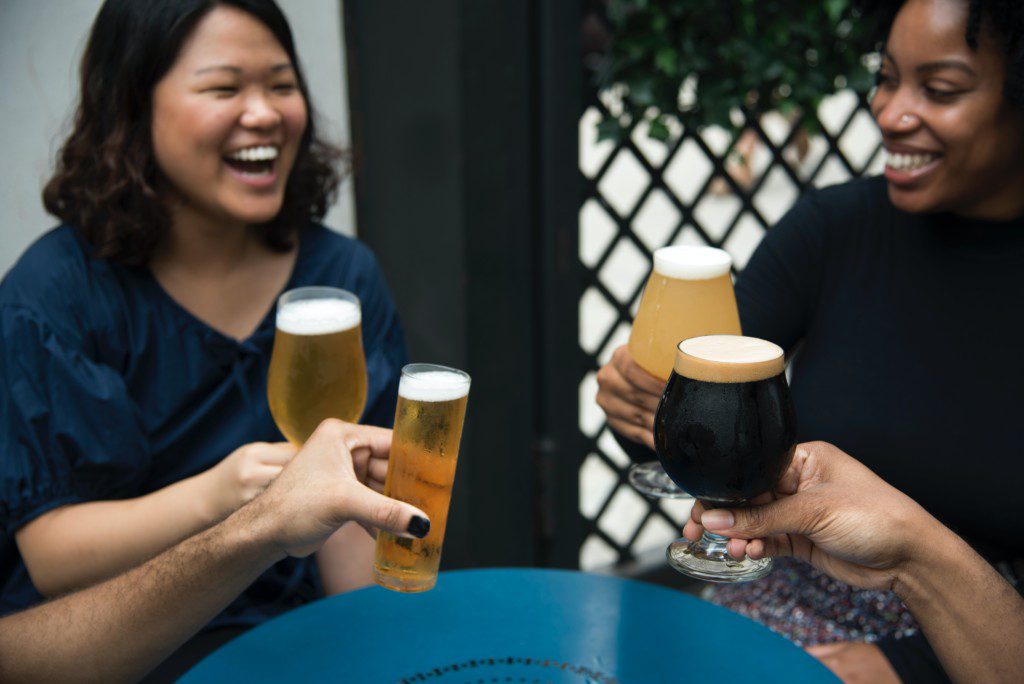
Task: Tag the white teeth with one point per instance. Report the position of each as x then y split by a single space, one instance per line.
250 154
908 162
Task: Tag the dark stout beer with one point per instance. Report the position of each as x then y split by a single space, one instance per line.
724 431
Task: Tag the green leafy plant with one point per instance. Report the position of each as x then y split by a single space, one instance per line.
700 61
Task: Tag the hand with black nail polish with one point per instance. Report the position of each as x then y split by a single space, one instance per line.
333 479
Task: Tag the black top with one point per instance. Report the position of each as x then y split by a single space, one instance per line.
908 353
909 348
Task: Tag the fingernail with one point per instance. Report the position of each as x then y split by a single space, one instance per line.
418 526
717 520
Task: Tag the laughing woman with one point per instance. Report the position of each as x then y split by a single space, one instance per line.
903 295
135 337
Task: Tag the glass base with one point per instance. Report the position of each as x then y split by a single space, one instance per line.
412 584
707 559
651 479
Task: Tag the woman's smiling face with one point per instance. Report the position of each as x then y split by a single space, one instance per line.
954 143
228 118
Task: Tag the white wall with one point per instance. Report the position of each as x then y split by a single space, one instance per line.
41 42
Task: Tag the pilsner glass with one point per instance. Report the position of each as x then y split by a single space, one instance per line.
689 293
424 449
725 431
317 368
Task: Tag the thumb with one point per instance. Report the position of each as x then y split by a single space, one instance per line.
374 510
790 515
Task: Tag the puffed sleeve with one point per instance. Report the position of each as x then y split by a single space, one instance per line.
383 341
69 431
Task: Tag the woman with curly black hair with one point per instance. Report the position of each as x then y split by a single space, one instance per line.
135 338
898 297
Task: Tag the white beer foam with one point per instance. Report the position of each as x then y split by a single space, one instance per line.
691 263
433 386
731 349
318 316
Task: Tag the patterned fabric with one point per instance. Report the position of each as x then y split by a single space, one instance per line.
809 608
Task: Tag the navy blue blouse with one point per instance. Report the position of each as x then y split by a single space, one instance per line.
112 390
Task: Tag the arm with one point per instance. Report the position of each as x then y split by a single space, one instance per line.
839 516
776 295
118 630
345 560
73 437
77 545
972 617
779 288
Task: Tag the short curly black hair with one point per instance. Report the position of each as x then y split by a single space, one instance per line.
1004 18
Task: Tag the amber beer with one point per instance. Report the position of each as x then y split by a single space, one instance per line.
317 369
421 469
689 293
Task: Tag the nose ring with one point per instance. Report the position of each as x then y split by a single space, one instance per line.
905 119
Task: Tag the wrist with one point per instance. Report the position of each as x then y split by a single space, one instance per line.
936 559
210 503
255 529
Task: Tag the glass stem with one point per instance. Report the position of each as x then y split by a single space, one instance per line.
714 545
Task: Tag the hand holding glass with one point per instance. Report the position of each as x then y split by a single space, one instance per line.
725 432
689 293
421 469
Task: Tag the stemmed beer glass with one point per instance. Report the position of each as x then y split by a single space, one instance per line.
725 432
317 368
688 293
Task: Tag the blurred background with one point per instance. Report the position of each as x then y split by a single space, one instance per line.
514 165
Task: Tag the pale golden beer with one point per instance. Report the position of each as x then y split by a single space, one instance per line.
317 369
689 293
421 469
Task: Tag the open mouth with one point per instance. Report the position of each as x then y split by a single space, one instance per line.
909 162
253 161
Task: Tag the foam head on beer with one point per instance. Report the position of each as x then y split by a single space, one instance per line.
318 316
729 358
433 386
691 263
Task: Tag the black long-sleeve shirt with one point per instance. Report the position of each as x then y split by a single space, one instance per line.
909 355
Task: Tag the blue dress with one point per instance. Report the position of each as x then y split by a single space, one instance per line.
112 390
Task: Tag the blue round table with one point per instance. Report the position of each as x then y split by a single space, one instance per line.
512 626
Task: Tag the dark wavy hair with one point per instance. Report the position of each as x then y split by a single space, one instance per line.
107 183
1003 18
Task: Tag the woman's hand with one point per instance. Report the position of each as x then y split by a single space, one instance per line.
629 396
243 474
856 663
322 489
830 511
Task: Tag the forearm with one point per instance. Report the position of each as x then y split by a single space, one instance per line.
79 545
118 630
346 560
972 617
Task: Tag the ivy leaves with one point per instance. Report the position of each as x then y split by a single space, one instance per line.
699 61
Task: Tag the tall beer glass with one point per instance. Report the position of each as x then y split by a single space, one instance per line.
725 432
689 293
421 469
317 369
